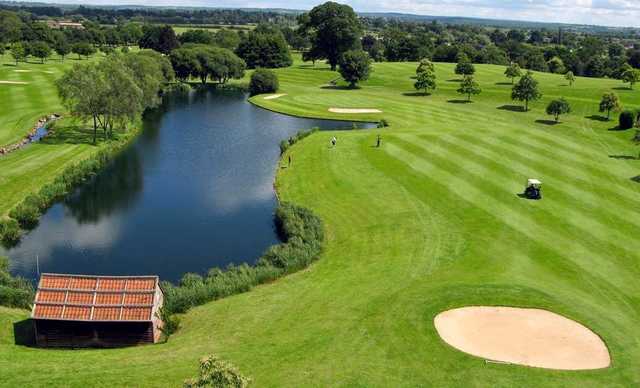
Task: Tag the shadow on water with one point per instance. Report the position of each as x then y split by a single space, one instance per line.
193 191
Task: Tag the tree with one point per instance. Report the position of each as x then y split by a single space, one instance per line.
570 77
464 66
333 29
83 48
160 38
631 76
626 120
196 36
355 66
469 86
556 65
40 50
610 102
105 92
425 76
636 140
184 62
513 71
263 81
18 52
264 49
62 48
526 90
226 39
558 107
10 27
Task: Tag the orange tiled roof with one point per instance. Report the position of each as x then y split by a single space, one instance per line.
95 298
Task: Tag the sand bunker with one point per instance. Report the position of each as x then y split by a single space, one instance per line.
13 82
350 110
531 337
274 96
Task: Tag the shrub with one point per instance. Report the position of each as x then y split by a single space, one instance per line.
627 119
217 373
383 123
14 291
263 81
285 144
9 231
27 214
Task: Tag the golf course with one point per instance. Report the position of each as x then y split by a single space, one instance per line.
429 221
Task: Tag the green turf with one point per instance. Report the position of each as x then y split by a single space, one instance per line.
25 171
428 222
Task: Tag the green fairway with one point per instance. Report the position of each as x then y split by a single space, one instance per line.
429 221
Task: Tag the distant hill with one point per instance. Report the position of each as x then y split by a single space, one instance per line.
455 20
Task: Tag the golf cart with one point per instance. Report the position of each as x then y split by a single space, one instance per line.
533 189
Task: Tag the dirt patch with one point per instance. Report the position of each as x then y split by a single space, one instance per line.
274 96
13 82
352 110
530 337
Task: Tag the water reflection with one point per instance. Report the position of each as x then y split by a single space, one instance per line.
194 191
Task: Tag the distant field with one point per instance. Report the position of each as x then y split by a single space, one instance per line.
428 222
180 28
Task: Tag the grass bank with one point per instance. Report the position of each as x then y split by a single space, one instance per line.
429 221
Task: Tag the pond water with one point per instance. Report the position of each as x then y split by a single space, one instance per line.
194 191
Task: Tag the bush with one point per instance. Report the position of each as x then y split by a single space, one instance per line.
627 119
263 81
285 144
383 123
217 373
14 291
27 214
9 231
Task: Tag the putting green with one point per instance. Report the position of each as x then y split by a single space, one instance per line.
428 222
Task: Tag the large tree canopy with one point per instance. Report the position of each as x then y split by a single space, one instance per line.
334 29
264 48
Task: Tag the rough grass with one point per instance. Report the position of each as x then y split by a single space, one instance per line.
428 222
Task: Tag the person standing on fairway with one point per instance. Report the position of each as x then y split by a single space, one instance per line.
334 141
289 160
378 141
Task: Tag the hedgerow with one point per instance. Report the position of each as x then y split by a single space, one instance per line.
302 234
14 291
285 144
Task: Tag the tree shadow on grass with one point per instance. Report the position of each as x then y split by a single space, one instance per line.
512 108
454 80
504 83
338 87
615 129
459 101
596 118
547 122
636 179
623 157
622 88
416 94
74 134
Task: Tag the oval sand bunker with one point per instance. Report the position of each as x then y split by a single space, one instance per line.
531 337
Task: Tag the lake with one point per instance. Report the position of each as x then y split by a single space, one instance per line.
194 191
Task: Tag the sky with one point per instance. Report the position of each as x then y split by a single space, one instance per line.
598 12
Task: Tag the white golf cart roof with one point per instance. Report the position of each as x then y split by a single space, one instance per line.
533 182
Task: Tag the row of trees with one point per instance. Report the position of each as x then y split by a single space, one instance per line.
112 92
21 51
206 62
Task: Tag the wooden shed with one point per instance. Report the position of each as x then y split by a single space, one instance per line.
97 311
